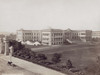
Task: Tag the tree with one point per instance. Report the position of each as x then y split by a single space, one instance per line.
17 45
56 58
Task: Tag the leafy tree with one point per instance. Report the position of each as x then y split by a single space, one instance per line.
17 45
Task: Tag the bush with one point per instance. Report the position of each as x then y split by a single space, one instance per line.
41 57
56 58
69 64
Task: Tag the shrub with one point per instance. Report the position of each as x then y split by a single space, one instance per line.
41 57
56 58
69 64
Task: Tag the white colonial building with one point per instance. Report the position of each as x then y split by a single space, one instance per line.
96 34
54 36
28 35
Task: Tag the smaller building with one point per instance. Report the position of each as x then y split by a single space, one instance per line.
78 35
84 35
28 35
96 34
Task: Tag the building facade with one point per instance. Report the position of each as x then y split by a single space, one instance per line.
96 34
82 35
54 36
78 35
28 35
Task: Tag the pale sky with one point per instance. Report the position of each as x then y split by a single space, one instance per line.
41 14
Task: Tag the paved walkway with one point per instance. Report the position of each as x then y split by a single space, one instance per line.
40 70
9 70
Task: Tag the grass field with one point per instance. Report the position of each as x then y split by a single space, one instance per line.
82 55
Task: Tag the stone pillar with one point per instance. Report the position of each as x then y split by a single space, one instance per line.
1 45
6 46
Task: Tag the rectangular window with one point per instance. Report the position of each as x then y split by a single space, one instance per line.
83 34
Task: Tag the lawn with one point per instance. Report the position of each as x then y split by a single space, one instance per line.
83 56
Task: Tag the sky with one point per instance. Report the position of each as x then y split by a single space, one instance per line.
42 14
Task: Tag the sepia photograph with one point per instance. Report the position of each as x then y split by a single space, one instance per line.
49 37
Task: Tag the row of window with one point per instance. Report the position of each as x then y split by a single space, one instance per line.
31 40
30 37
81 37
57 39
57 43
67 33
45 38
53 34
75 38
56 34
75 33
31 34
96 34
45 34
54 39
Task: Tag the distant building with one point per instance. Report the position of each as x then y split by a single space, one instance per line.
24 35
78 35
96 34
82 35
28 35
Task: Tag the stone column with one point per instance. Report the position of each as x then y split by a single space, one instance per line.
6 46
1 45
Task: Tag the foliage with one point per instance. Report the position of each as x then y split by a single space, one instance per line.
16 45
41 56
56 57
69 64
